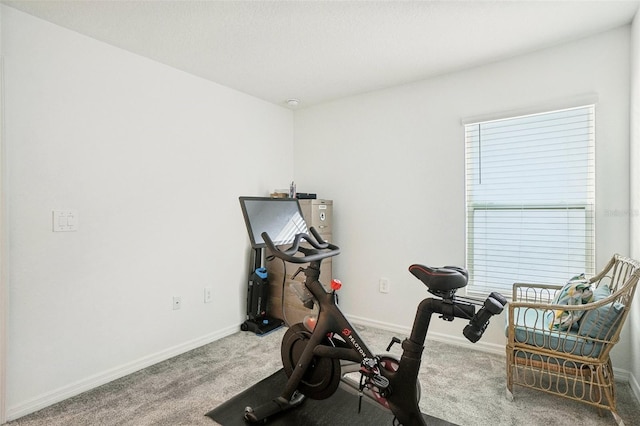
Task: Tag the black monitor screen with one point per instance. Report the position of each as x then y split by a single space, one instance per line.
280 218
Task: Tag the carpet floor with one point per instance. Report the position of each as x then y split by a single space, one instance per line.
339 408
464 387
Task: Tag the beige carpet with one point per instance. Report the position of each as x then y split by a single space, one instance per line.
461 386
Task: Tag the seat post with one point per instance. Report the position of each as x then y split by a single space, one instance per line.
430 306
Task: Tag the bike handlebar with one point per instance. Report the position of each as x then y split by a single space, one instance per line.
321 249
493 305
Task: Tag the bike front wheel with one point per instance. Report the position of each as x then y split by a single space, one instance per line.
322 378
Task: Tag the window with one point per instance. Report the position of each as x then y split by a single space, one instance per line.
530 189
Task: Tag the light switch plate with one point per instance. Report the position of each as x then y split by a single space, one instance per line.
65 220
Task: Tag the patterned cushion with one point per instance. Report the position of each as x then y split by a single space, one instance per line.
577 291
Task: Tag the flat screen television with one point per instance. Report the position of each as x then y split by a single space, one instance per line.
280 218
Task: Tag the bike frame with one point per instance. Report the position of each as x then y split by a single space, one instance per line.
402 396
396 386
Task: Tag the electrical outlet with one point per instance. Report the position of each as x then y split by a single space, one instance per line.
177 302
384 285
208 294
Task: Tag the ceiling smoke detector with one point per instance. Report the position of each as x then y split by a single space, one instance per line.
293 102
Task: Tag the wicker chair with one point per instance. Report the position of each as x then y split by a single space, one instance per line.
570 358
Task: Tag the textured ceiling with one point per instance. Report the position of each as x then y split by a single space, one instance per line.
317 51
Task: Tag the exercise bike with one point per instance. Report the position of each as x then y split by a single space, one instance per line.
318 355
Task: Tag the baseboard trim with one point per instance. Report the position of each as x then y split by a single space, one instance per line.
73 389
620 375
433 336
635 387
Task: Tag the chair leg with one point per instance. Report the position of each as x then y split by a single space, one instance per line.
508 394
617 418
509 389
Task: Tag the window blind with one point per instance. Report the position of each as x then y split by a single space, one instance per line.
530 188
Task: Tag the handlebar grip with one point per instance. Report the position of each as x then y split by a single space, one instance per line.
321 249
476 327
499 297
319 243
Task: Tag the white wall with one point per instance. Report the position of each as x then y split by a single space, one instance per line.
634 317
3 292
153 159
393 162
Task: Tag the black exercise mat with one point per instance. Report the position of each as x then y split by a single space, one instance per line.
340 409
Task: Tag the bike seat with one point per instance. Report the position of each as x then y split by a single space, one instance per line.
441 281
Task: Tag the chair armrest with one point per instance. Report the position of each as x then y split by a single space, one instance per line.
534 293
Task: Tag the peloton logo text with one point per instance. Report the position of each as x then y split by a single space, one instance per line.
347 333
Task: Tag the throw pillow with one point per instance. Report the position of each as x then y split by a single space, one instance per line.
577 291
600 323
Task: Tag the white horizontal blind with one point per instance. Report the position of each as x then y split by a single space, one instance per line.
530 190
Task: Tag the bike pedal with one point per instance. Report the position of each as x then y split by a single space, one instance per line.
369 364
380 382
